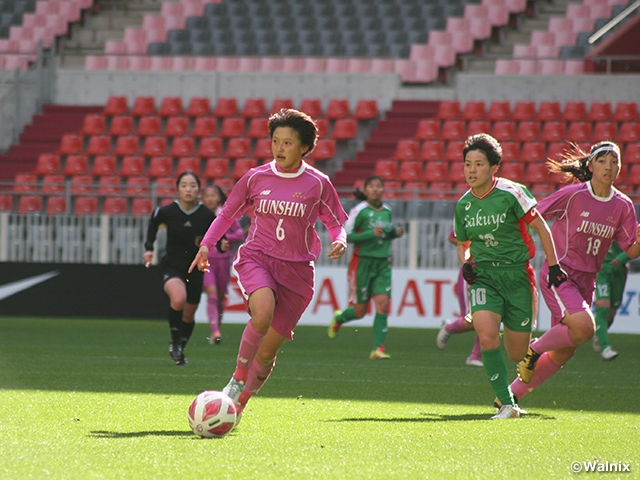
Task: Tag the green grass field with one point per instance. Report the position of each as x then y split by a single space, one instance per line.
93 399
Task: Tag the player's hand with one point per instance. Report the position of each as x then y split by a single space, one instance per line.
378 231
338 249
201 260
399 232
557 276
148 257
469 273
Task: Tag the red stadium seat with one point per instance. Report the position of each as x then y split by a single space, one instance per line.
121 125
115 206
345 129
474 110
453 130
53 183
550 111
226 107
216 167
254 107
47 163
406 149
626 112
258 128
141 207
242 166
81 184
410 171
453 151
524 110
160 166
386 169
29 204
393 189
600 112
579 131
137 186
109 185
93 124
176 127
414 190
25 183
633 177
143 106
428 129
126 145
456 172
531 152
199 107
604 130
312 107
449 110
436 171
323 127
76 165
116 105
574 111
71 143
325 150
210 147
204 127
104 165
631 153
232 127
512 171
182 147
6 203
86 205
537 173
431 150
528 131
280 103
366 109
338 108
56 205
165 187
263 149
440 191
98 145
504 130
154 146
629 132
132 166
499 110
170 107
555 150
478 126
189 164
553 131
149 125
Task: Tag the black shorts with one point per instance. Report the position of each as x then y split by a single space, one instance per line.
193 281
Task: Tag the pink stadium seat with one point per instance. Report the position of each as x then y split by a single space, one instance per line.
358 65
200 64
336 65
293 64
381 65
551 67
506 67
574 67
139 62
96 62
524 51
270 64
314 65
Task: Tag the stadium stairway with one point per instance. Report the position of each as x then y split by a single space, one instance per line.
401 121
43 135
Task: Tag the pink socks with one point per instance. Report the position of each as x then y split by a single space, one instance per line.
544 369
457 326
249 345
213 313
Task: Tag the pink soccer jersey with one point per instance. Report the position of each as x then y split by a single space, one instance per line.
285 209
586 225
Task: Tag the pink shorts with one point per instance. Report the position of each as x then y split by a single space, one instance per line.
574 295
291 282
218 274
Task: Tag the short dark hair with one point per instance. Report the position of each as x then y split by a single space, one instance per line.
359 194
184 174
302 123
486 144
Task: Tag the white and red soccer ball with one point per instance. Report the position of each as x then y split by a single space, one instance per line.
212 414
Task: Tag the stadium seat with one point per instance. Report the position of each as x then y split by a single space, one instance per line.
604 130
440 191
474 110
198 107
456 172
238 147
170 107
428 129
555 150
386 169
263 149
53 183
410 171
182 147
553 131
154 146
216 167
512 170
25 183
574 111
312 107
70 144
280 103
549 111
579 131
337 108
431 150
254 107
76 165
116 105
137 186
141 207
258 128
406 149
176 127
47 163
453 130
478 126
633 177
323 127
165 187
126 145
115 206
210 147
104 165
160 166
132 166
528 131
189 164
81 184
414 190
93 124
345 129
393 190
435 171
242 166
204 127
629 132
86 205
121 125
499 110
232 127
149 125
453 151
366 109
325 150
631 153
109 185
449 110
56 205
510 150
143 106
503 130
523 111
98 145
29 204
600 112
531 152
226 107
626 112
6 203
537 173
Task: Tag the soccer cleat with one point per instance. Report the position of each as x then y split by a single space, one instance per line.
175 351
334 326
443 335
474 362
379 354
182 361
508 411
596 344
239 412
233 390
215 338
527 366
608 353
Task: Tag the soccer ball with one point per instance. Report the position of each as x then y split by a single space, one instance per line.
212 414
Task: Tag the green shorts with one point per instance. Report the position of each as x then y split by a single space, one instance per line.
368 276
510 291
610 284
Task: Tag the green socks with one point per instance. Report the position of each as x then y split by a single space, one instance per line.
345 316
496 369
379 329
602 326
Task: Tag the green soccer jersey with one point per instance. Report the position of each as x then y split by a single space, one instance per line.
494 223
615 252
363 218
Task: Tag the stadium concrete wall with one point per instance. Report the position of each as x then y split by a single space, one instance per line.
420 299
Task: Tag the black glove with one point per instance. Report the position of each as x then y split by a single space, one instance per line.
556 276
469 273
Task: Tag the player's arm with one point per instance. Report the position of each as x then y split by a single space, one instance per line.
634 250
152 232
556 275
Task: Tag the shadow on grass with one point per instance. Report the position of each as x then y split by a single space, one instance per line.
435 417
158 433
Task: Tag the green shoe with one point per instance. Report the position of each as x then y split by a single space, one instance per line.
334 326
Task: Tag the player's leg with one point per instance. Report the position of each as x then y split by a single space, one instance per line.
359 279
212 312
223 276
548 365
176 290
380 327
603 308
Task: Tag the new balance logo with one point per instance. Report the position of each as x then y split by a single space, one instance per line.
243 360
265 192
584 214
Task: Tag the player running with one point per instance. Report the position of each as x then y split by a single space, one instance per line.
370 228
492 222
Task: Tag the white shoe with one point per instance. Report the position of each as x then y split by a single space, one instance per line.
609 353
508 411
443 335
474 362
233 390
596 344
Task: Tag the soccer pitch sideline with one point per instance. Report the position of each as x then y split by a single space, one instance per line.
94 399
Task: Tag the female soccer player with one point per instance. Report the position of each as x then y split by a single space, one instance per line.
610 284
589 216
462 323
187 221
275 265
369 227
216 280
492 222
